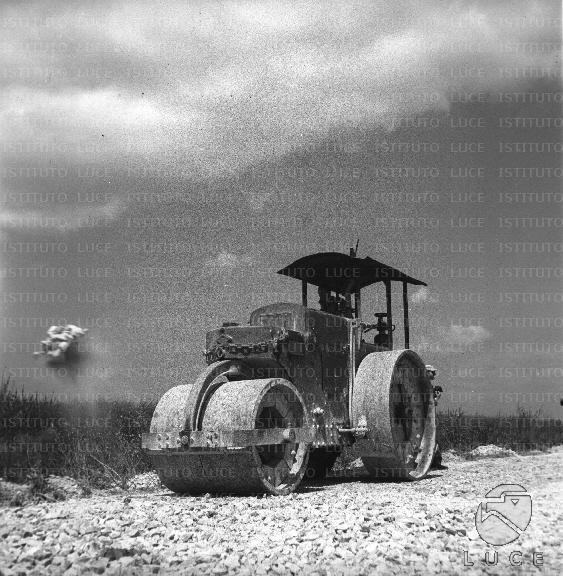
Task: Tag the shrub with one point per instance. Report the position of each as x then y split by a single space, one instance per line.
96 442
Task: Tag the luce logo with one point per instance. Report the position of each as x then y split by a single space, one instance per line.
505 514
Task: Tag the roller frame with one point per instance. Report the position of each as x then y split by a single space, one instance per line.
227 438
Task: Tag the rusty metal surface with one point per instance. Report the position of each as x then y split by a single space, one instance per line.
252 342
175 409
241 405
239 341
193 473
321 372
226 438
310 350
254 437
172 410
212 376
161 441
393 396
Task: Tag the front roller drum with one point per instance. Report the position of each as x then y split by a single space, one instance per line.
242 405
393 398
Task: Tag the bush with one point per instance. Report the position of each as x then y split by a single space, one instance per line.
95 442
521 432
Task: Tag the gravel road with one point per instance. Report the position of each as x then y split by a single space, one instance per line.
347 526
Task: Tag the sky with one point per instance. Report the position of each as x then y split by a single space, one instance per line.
158 164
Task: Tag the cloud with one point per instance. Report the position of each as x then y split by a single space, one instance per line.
208 90
458 335
422 294
455 339
63 219
257 200
226 262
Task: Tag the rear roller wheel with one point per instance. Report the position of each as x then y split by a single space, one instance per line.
242 405
393 397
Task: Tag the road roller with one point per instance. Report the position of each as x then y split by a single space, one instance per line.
282 396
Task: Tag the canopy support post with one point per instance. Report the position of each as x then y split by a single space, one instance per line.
358 304
389 313
304 292
406 313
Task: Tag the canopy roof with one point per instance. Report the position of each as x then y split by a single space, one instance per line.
343 273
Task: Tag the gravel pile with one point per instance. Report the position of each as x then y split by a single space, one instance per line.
14 494
490 451
347 526
63 487
147 481
451 456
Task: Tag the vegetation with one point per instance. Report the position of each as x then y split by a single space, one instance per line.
99 444
522 432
